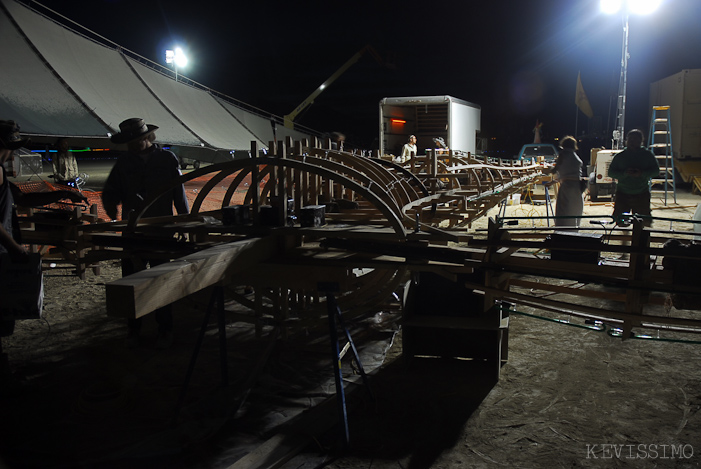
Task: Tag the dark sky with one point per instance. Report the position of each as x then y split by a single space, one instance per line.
517 59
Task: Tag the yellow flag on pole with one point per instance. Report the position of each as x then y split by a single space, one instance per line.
580 98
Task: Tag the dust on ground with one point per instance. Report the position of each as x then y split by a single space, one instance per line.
567 397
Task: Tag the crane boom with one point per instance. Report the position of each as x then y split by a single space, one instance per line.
289 118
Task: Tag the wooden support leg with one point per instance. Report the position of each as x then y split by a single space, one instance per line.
76 234
336 359
638 264
339 317
216 300
221 322
93 211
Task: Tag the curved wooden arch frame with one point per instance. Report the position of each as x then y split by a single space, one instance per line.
344 175
391 182
377 187
410 177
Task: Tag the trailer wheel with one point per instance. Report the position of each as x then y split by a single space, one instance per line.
196 164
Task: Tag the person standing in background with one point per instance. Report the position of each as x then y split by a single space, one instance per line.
64 163
408 150
633 168
568 172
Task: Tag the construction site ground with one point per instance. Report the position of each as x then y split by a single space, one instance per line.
567 397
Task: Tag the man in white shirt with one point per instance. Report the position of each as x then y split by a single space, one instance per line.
64 163
409 150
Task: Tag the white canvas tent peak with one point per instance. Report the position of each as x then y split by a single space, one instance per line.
57 82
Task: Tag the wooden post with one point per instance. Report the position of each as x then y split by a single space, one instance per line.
255 184
93 211
281 186
33 248
76 233
638 264
296 184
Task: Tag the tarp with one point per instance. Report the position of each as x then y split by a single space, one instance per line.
56 82
32 95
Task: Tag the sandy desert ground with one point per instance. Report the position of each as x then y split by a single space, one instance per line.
567 397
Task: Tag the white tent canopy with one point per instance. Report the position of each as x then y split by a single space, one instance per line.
56 82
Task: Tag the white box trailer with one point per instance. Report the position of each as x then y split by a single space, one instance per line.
682 92
456 121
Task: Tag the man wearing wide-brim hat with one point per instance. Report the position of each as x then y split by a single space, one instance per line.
134 178
133 129
140 171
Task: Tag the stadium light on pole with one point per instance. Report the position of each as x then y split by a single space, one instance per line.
626 7
177 58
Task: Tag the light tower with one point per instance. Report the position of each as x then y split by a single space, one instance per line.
625 7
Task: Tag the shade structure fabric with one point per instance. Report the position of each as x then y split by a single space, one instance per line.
59 82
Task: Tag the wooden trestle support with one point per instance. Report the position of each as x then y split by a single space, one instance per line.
322 232
388 229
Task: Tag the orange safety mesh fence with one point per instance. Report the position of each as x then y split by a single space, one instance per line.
192 189
44 186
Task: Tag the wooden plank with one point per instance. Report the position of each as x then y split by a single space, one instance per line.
697 184
599 313
688 169
605 295
145 291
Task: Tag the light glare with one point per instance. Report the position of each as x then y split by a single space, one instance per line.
638 7
177 57
180 59
643 7
611 6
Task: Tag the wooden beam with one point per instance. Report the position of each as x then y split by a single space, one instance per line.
145 291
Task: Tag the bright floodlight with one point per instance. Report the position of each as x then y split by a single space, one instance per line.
180 59
176 57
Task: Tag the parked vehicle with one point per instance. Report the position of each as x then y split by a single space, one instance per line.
429 118
547 151
185 162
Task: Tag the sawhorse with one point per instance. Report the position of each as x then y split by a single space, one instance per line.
336 319
216 301
548 205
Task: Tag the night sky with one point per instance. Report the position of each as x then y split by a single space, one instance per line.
517 59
